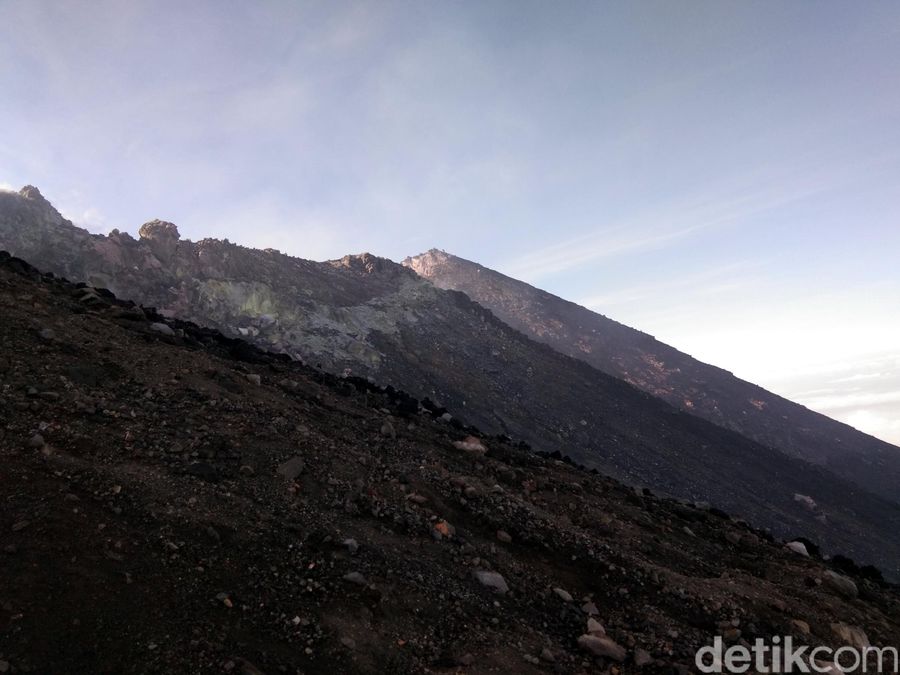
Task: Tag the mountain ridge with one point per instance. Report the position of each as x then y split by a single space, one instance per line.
701 389
380 320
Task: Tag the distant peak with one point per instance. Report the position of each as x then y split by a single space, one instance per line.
31 193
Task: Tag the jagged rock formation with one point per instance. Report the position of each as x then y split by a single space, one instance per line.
695 387
374 318
176 501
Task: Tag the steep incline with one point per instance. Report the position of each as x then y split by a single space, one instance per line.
175 501
693 386
379 319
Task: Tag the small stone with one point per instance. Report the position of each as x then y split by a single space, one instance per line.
470 492
504 536
590 608
800 626
471 444
253 378
4 666
563 594
594 627
602 646
843 585
355 578
417 498
348 642
162 329
387 430
46 334
850 635
36 441
19 526
247 470
291 468
547 655
531 659
732 634
351 545
492 580
642 657
797 547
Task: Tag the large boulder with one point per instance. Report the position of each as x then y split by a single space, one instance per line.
162 237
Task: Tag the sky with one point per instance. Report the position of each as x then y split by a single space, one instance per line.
723 175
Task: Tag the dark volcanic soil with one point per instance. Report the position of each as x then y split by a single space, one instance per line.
175 501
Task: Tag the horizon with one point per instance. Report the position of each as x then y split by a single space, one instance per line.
719 176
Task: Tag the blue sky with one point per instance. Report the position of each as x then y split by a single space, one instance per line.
723 175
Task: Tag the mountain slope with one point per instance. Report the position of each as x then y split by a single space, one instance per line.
703 390
177 501
381 320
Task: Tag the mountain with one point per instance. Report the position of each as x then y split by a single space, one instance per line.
695 387
179 501
373 318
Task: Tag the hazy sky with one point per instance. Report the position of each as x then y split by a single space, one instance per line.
723 175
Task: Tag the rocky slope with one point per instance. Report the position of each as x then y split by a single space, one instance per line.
377 319
178 501
657 368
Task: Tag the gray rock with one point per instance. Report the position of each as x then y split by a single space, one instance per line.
162 329
504 536
387 430
254 379
594 627
843 585
355 578
492 580
642 657
563 594
351 545
797 547
602 646
36 441
46 334
291 468
850 635
547 655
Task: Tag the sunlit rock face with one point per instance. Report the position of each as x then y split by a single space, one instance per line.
371 317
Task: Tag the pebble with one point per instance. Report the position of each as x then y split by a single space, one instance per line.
602 646
504 536
594 627
253 378
642 657
36 441
162 329
800 626
547 655
348 642
351 545
850 635
563 594
797 547
291 468
492 580
355 578
21 525
843 585
590 608
46 334
387 430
